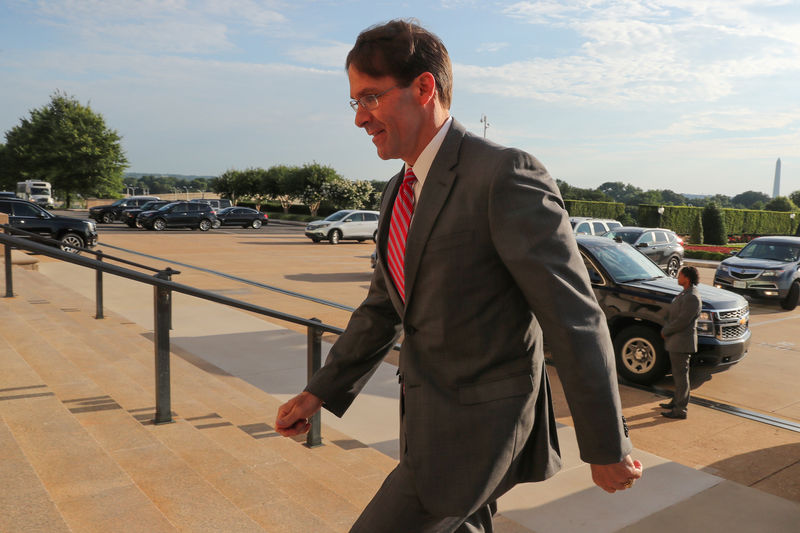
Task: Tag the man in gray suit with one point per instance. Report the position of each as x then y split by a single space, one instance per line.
680 339
487 267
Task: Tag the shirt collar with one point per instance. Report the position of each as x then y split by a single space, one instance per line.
425 159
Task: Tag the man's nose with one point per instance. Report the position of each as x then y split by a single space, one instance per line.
362 116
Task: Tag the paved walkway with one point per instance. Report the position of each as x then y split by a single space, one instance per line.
671 497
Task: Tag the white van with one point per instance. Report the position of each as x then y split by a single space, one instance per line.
38 192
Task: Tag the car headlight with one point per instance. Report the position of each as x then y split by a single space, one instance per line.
723 268
705 324
771 273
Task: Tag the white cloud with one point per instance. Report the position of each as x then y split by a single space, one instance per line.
492 47
332 55
662 51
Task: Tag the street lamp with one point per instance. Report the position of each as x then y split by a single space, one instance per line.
660 214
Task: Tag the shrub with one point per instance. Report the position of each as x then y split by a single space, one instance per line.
696 235
714 225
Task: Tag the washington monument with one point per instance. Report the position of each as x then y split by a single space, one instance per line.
776 185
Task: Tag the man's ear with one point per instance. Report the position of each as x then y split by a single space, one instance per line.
425 87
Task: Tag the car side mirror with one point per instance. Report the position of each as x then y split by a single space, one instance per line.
734 252
642 245
618 238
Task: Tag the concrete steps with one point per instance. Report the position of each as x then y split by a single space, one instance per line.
79 440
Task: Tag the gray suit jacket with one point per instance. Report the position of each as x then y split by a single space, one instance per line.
491 266
680 331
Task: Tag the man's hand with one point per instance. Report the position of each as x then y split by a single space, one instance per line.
617 476
293 416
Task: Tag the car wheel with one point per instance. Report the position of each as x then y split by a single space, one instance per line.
792 298
673 266
108 218
159 224
334 236
256 224
205 225
640 354
70 242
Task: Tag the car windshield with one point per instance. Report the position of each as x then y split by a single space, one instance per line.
224 210
338 215
624 236
118 202
148 206
625 263
40 190
166 207
775 251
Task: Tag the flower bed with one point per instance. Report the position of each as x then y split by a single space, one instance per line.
717 249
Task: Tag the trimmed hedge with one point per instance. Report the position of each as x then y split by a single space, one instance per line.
680 218
585 208
712 256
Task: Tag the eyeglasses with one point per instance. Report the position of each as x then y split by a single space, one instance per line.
368 101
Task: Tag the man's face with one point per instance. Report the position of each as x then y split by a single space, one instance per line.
395 125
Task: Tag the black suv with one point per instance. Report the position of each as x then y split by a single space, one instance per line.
635 296
129 215
109 213
179 215
72 232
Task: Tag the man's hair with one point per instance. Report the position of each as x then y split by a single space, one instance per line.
691 274
403 50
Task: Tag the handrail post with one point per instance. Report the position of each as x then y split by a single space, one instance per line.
99 288
9 278
161 324
314 363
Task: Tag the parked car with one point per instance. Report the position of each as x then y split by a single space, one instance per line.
129 215
663 246
593 226
768 267
179 215
346 224
216 203
111 212
72 233
635 296
7 194
242 216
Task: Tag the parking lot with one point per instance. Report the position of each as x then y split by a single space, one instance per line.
280 256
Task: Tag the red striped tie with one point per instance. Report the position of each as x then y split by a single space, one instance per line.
398 231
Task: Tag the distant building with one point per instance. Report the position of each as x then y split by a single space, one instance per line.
776 185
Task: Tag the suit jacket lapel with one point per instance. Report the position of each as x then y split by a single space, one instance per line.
437 187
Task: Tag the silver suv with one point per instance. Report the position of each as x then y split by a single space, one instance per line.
349 224
768 267
593 226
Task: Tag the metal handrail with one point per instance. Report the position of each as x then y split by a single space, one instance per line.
162 298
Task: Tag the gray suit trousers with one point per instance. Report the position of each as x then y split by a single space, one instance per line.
396 508
680 374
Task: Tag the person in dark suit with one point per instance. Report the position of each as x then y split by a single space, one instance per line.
476 262
680 339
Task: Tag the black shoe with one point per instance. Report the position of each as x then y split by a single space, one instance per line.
668 405
673 414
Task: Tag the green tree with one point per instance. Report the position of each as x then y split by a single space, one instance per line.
696 235
713 222
278 183
794 197
69 145
308 181
747 199
780 203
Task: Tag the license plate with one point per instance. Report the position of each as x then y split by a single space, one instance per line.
739 284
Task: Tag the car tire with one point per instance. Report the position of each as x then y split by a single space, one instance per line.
205 225
107 218
335 236
792 297
375 236
159 224
256 224
641 357
70 242
673 266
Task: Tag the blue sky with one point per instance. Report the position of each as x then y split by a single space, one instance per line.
696 96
